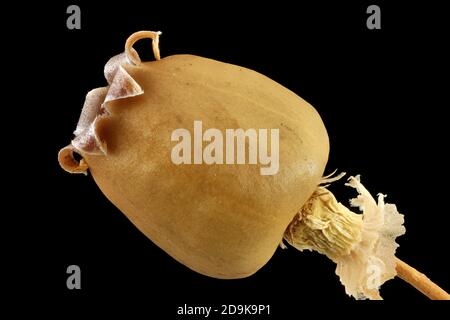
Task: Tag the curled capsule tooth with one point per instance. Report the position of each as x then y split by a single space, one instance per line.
115 62
123 86
91 108
68 162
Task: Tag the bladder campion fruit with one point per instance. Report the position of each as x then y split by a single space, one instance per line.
226 221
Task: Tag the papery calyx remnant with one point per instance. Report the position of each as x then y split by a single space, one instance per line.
362 245
120 86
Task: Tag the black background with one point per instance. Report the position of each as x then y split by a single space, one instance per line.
382 95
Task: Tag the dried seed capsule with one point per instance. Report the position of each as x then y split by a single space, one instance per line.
221 210
221 220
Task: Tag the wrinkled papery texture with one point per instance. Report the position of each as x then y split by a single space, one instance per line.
224 221
372 261
326 226
362 245
121 86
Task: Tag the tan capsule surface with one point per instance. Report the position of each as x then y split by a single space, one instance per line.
224 221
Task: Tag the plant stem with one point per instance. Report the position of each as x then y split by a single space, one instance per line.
420 281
